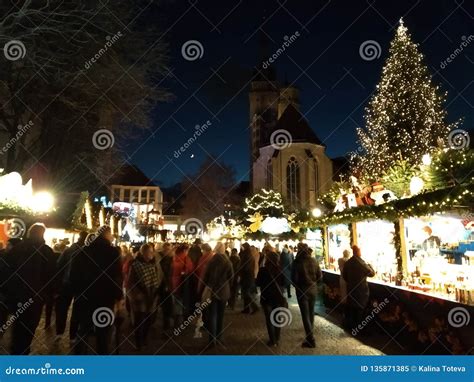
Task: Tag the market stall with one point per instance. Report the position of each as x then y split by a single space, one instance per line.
422 251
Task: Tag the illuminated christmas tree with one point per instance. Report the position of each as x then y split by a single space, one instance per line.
405 117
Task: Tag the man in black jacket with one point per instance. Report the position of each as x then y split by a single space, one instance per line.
305 275
31 269
96 281
63 302
355 273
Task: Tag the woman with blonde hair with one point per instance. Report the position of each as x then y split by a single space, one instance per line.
144 280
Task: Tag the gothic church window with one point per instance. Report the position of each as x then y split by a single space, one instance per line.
293 182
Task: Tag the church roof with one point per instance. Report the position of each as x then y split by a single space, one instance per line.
293 121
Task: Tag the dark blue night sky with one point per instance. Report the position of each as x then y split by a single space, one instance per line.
324 62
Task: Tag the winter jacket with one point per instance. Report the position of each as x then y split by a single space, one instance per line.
201 269
355 273
64 264
96 274
218 276
305 274
143 282
182 268
286 260
270 288
195 254
31 266
235 260
247 268
166 264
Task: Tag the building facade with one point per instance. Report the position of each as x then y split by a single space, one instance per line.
286 154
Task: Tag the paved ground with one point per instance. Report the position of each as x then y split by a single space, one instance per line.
244 334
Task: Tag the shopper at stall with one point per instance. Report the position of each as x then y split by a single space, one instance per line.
342 283
286 259
65 295
270 280
355 273
96 281
31 266
217 283
182 269
247 279
144 280
305 275
234 289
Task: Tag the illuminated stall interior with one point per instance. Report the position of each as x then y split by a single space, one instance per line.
440 255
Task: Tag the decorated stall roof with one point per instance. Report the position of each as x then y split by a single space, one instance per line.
459 197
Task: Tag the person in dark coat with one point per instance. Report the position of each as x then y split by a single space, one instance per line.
234 288
247 279
166 297
65 296
305 275
217 279
355 273
4 275
96 281
270 280
194 254
286 259
31 265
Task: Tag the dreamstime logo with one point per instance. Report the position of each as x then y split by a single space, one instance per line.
103 139
91 237
199 130
370 50
193 226
458 139
110 40
196 314
281 139
286 44
458 317
281 317
466 40
192 50
15 228
103 317
14 50
22 130
378 306
21 308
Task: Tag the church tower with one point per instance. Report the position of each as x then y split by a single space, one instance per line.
289 95
263 99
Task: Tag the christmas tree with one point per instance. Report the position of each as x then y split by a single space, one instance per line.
405 117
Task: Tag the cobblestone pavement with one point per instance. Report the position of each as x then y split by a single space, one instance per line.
244 334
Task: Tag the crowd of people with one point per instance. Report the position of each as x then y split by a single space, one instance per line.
104 284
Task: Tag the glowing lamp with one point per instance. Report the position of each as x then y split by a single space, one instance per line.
317 212
42 202
426 159
416 185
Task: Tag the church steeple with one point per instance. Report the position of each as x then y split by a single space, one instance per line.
263 98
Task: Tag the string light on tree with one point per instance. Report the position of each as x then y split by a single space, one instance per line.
405 118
